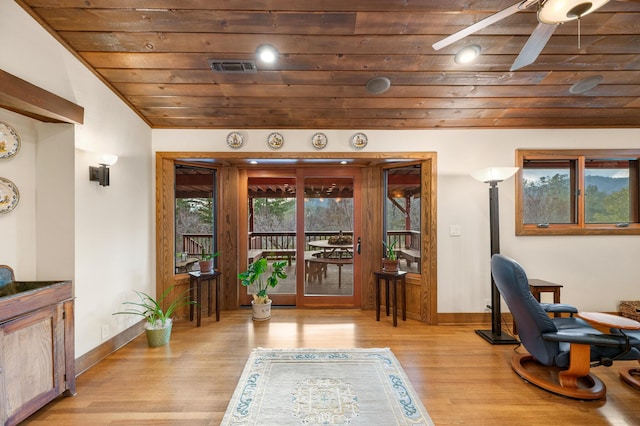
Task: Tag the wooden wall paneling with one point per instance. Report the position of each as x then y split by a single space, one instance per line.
429 259
230 201
328 49
165 225
370 250
231 231
414 299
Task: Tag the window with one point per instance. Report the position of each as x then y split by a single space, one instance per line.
570 192
402 213
194 216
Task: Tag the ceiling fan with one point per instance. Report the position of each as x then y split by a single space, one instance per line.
551 14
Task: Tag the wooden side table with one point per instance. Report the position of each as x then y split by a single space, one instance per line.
540 286
393 278
196 280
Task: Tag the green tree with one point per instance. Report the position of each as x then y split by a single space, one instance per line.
548 200
274 214
603 208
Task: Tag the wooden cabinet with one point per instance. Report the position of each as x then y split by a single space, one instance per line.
36 347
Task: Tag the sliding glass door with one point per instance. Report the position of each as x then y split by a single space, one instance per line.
308 218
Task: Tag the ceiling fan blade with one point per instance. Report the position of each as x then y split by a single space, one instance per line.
498 16
534 45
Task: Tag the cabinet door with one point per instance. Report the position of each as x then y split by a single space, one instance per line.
30 374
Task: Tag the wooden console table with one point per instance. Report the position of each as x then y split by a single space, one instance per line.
196 279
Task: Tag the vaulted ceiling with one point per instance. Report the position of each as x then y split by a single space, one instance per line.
155 55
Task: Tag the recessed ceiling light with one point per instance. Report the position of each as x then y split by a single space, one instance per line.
378 85
344 162
253 162
585 84
267 53
467 54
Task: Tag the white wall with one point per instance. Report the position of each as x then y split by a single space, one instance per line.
66 226
596 271
17 227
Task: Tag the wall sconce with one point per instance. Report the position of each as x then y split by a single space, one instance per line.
101 174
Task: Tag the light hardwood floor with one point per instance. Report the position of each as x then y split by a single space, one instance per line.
461 379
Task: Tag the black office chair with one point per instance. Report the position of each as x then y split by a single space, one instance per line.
561 350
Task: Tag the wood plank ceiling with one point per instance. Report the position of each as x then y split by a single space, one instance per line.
155 55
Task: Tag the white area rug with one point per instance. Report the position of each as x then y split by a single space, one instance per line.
324 387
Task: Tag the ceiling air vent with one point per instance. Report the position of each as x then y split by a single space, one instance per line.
218 65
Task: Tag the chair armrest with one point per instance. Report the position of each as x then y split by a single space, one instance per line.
586 338
559 307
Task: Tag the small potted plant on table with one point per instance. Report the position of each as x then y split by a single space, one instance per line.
159 321
254 275
206 261
390 260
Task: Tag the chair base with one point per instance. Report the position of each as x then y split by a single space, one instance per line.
588 387
631 376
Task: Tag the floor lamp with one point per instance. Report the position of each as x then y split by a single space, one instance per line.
493 175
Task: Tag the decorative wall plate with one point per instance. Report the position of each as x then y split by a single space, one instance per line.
359 140
9 195
9 141
235 140
319 140
275 140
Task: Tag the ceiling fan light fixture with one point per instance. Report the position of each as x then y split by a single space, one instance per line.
555 12
467 54
267 53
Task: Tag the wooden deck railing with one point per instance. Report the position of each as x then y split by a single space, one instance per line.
287 240
193 244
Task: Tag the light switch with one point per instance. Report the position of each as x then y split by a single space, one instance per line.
454 230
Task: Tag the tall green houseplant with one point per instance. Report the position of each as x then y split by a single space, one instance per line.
255 275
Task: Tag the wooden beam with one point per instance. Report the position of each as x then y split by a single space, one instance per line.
24 98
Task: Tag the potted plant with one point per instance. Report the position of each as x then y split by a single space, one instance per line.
206 261
255 275
390 260
159 321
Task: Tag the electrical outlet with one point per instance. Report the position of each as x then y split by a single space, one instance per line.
487 305
105 331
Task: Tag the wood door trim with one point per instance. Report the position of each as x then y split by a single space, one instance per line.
164 223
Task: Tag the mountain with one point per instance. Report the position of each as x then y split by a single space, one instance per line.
605 184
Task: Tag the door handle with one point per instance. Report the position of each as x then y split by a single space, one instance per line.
358 246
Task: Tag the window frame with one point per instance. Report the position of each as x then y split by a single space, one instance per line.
580 227
385 181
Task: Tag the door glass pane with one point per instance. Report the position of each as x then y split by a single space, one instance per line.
402 215
272 226
194 216
328 227
548 187
607 191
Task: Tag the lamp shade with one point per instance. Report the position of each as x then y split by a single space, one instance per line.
494 174
108 159
560 11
